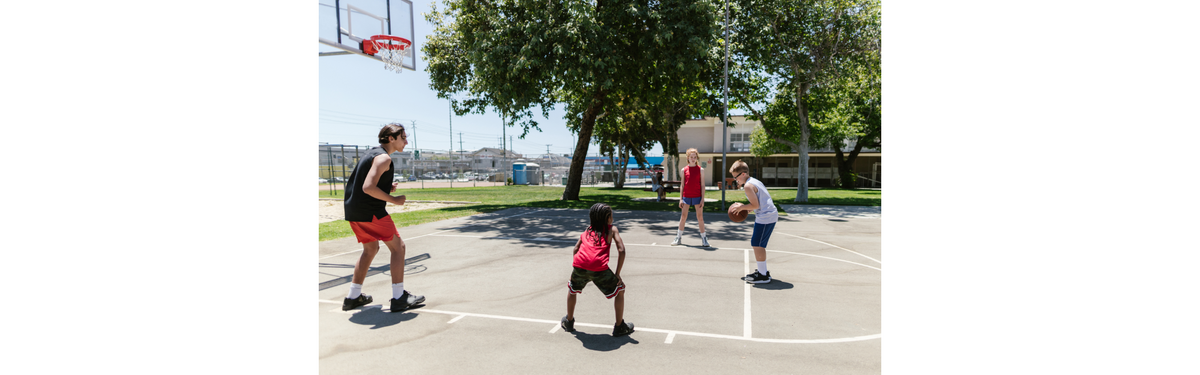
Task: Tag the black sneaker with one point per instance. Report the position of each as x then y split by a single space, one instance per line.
568 325
406 301
351 303
758 278
622 329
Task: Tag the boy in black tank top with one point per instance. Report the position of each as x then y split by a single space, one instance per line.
366 201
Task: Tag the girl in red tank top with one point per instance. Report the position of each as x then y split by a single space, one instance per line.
590 265
692 194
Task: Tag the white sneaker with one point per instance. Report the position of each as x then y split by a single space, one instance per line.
704 239
676 241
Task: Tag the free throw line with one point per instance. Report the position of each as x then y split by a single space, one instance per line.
641 329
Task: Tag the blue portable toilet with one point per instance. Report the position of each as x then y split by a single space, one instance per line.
519 174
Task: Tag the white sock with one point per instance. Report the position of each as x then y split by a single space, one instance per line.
397 290
703 235
679 233
355 290
762 268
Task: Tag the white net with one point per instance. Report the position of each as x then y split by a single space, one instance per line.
393 53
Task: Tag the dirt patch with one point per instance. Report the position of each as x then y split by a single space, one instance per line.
332 210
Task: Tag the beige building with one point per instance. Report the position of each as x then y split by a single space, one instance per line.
779 170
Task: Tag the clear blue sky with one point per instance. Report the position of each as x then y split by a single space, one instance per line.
357 95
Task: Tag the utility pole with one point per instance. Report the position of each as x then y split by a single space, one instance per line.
415 150
503 147
725 118
459 145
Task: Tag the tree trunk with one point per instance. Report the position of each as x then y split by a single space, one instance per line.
670 159
846 167
802 147
575 175
620 167
612 165
846 177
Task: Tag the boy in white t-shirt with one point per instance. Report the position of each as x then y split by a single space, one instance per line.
765 217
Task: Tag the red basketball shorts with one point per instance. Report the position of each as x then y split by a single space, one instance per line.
379 229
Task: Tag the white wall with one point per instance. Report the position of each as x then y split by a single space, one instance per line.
742 125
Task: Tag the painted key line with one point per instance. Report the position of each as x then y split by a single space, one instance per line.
671 334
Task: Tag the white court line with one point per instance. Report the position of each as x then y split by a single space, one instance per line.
746 313
643 329
503 217
664 246
829 244
413 238
747 333
543 239
455 319
826 257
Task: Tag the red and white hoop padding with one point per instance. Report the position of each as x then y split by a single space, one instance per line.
392 49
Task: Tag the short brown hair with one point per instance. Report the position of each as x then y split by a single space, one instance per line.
739 167
391 130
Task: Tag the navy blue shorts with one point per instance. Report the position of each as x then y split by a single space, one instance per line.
762 233
692 201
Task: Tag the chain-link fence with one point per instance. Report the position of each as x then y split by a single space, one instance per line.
492 167
421 168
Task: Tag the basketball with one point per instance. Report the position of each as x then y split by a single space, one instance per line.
737 216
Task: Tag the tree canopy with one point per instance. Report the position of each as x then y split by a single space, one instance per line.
597 58
785 48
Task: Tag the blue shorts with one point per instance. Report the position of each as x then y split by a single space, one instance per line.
762 233
692 201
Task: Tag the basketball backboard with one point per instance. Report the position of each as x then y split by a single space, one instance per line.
346 23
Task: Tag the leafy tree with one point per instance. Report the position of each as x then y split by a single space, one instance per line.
797 45
513 55
659 121
848 113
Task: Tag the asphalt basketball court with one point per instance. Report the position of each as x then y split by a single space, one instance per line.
496 287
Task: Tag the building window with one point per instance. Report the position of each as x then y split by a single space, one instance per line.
739 142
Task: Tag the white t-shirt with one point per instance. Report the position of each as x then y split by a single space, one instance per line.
766 212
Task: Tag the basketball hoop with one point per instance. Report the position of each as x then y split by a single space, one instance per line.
392 49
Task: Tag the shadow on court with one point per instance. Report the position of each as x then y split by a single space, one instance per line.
558 225
409 269
603 342
775 284
495 287
377 318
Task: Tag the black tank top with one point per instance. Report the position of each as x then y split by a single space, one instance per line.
360 206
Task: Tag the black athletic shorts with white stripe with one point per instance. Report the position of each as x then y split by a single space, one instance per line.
606 280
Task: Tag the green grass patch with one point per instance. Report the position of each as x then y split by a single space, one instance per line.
496 198
836 197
